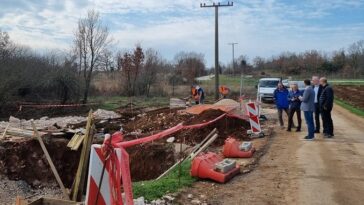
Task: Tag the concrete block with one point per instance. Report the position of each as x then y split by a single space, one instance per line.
246 146
225 165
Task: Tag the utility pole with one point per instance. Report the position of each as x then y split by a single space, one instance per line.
216 6
233 46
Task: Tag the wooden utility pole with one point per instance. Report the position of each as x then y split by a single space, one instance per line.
217 67
233 60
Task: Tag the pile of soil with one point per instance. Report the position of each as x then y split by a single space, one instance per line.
205 116
25 160
352 94
148 161
226 126
156 120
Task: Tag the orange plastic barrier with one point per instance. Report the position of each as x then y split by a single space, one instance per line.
231 149
203 167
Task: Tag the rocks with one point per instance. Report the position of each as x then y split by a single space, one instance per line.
189 196
195 201
171 139
105 114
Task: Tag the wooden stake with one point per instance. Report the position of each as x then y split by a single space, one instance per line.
195 148
54 170
212 139
81 174
6 129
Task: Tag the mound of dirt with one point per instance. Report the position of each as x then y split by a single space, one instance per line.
156 120
205 116
226 126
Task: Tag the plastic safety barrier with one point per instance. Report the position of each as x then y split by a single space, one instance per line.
231 149
116 162
203 166
253 117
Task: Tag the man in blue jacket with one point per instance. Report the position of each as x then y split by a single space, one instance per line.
326 105
294 107
281 101
308 107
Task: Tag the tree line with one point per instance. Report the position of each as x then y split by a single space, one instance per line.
348 63
26 75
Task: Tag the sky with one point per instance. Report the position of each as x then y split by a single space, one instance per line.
260 27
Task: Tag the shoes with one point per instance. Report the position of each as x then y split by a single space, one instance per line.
308 138
298 130
328 136
317 131
288 130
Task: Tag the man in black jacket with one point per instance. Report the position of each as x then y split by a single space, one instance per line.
326 105
318 90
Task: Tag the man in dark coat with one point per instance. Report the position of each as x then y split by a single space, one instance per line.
318 90
326 105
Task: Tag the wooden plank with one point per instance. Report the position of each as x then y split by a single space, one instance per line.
54 170
78 142
49 201
193 150
81 174
212 139
20 201
7 126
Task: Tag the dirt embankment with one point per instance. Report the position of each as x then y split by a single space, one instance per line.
24 160
352 94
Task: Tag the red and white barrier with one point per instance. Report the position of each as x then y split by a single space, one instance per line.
253 117
116 170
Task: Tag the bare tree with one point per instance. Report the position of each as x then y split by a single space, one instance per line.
190 65
91 40
153 63
131 65
356 56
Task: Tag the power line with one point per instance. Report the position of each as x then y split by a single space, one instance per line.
233 60
216 6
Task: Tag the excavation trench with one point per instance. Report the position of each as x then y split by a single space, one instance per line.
23 158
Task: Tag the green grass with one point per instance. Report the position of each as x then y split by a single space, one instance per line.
151 190
350 107
112 103
232 81
347 82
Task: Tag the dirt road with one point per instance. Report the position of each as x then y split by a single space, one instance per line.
293 171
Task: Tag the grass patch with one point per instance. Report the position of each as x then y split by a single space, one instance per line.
347 82
114 102
350 107
231 81
151 190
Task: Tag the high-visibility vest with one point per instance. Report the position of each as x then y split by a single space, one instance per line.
224 90
195 93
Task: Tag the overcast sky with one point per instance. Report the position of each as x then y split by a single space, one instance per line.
261 27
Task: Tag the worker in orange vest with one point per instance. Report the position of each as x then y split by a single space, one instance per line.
198 94
224 91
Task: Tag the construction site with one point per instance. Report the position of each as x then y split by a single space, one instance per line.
152 102
22 158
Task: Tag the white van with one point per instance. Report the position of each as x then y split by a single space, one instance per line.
266 87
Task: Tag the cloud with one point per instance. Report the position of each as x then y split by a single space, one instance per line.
261 27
